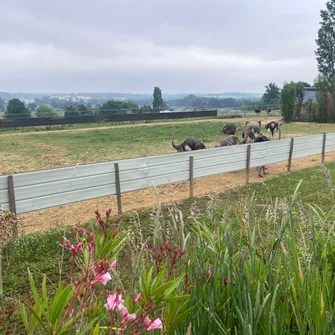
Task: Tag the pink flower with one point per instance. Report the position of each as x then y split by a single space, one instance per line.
126 316
92 237
115 302
156 324
137 298
76 248
104 279
112 265
147 322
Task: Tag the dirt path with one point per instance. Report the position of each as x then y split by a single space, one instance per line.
83 212
127 126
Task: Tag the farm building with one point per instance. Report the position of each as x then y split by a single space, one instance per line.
309 108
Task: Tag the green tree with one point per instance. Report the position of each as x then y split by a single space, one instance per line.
112 107
300 93
146 109
158 99
45 111
326 41
288 100
16 109
71 111
82 109
32 106
305 84
2 105
325 88
272 94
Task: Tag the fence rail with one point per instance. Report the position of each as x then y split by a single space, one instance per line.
32 191
12 123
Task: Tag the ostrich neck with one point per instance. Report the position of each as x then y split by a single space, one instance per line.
173 142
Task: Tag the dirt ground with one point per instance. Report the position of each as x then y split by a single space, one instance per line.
83 212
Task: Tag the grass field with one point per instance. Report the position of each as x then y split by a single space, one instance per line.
255 205
33 151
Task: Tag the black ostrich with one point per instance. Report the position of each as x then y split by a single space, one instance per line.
268 111
189 144
258 110
272 127
230 140
228 129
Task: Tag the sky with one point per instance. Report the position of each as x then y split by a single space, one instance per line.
205 46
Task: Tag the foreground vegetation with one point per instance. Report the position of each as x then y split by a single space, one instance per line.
249 262
27 152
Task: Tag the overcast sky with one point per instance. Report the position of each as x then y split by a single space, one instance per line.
133 45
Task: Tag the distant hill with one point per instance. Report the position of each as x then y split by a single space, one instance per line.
140 99
235 95
5 96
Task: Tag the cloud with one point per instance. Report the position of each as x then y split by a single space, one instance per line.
181 46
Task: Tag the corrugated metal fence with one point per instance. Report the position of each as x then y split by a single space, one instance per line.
32 191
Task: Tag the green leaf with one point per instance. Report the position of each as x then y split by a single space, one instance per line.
61 299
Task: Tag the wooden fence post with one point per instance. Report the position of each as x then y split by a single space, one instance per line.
12 205
118 188
191 176
248 164
290 155
323 147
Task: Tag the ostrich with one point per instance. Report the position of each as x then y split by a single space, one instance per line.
248 133
256 128
230 140
188 145
268 111
258 110
272 127
251 130
228 129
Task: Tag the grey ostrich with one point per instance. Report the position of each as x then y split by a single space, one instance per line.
249 132
272 127
256 128
230 140
188 145
228 129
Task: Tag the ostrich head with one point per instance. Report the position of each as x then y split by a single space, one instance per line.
177 147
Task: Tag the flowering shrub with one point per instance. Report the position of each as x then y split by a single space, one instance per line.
87 303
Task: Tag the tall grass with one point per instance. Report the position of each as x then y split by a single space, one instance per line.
258 273
286 288
246 270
